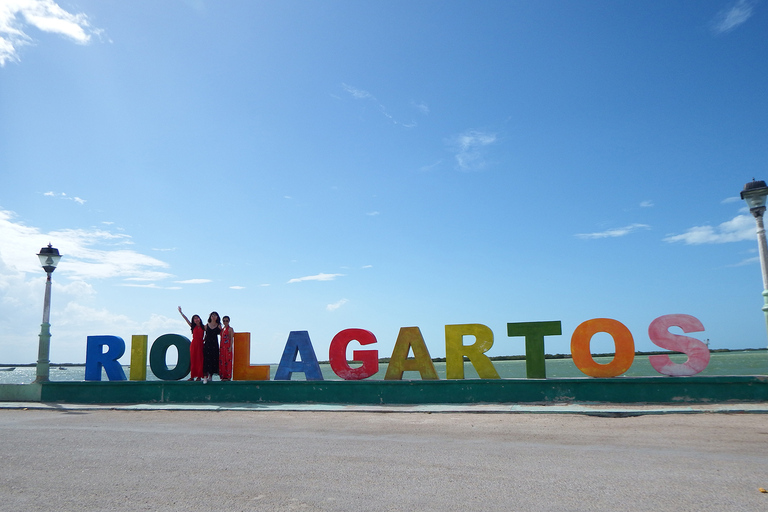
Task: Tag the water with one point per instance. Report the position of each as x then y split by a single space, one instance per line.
747 362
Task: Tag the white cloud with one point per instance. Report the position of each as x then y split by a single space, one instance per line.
158 323
646 204
469 148
63 195
76 288
81 259
336 305
86 262
741 227
78 310
613 233
372 214
194 281
45 15
237 287
318 277
732 16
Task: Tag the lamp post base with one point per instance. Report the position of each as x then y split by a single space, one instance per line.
765 306
43 363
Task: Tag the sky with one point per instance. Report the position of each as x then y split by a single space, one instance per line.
317 166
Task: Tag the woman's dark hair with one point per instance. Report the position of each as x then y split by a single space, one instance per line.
192 322
225 317
218 318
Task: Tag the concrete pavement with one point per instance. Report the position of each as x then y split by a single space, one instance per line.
316 459
601 409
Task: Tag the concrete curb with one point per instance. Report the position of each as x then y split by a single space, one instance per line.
603 410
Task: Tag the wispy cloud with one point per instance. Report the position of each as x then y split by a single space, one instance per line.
237 287
613 233
46 15
151 286
732 16
421 107
430 167
469 148
194 281
646 204
361 94
358 94
318 277
741 227
336 305
748 261
63 195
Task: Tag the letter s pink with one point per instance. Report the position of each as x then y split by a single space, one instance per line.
697 351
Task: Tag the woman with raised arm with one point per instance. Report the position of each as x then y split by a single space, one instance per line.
196 347
225 354
211 347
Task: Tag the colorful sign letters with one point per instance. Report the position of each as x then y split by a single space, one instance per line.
104 352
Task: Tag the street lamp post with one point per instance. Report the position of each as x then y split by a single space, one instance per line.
49 258
755 194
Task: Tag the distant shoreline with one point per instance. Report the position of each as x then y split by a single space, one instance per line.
569 356
442 359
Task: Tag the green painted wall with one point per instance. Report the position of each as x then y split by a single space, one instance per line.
615 390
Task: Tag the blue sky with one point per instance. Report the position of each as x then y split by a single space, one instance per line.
325 165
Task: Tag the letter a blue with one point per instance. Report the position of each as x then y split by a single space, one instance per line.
298 342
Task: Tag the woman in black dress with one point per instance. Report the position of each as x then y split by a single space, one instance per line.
211 347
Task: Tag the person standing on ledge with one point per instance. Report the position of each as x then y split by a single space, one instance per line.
196 347
225 353
211 347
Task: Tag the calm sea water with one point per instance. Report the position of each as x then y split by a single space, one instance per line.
722 363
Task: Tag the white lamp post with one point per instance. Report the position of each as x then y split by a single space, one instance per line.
49 258
755 194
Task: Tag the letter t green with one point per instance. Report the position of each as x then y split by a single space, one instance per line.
534 333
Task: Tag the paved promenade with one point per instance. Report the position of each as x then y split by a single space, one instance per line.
101 459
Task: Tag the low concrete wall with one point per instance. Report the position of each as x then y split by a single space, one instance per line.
20 392
615 390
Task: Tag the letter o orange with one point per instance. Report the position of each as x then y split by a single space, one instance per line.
622 338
